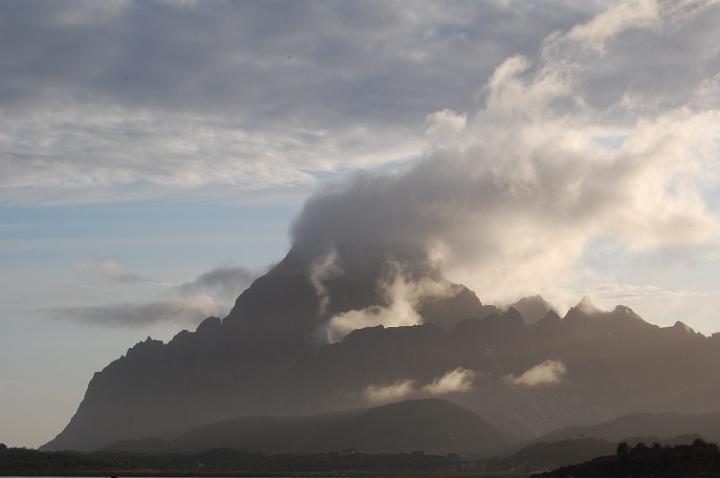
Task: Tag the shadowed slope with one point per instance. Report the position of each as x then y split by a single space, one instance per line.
436 426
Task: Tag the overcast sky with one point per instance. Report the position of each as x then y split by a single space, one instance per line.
153 156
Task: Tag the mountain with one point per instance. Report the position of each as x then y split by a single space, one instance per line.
270 356
533 308
547 456
430 425
660 425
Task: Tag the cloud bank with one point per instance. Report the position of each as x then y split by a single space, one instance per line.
156 98
570 147
501 139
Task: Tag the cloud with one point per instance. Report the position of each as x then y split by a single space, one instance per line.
622 16
111 270
458 380
516 136
188 310
401 294
225 283
322 269
252 95
444 126
212 293
549 372
389 393
551 162
614 291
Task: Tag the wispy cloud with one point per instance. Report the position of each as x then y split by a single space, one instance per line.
529 165
210 294
224 282
458 380
188 310
388 393
112 271
549 372
455 381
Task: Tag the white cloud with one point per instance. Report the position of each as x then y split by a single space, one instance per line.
616 19
458 380
389 393
402 294
549 372
322 269
549 164
444 125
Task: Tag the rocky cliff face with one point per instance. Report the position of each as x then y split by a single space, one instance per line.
266 357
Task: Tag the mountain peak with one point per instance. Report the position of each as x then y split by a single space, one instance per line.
532 308
209 325
683 327
586 305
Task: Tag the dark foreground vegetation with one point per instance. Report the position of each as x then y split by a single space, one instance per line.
228 462
700 459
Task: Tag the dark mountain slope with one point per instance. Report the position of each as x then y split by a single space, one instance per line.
436 426
268 357
664 425
548 456
225 368
697 460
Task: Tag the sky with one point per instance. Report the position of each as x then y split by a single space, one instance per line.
156 156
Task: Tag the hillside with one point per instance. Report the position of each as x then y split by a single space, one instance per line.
660 425
433 426
699 459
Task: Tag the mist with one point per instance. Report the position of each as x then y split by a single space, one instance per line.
507 197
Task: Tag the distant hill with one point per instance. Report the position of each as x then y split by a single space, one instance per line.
660 425
429 425
544 455
699 459
548 456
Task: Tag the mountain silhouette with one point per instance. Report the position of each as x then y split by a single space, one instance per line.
658 425
269 357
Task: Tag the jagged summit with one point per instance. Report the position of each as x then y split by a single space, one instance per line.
266 358
532 308
586 305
